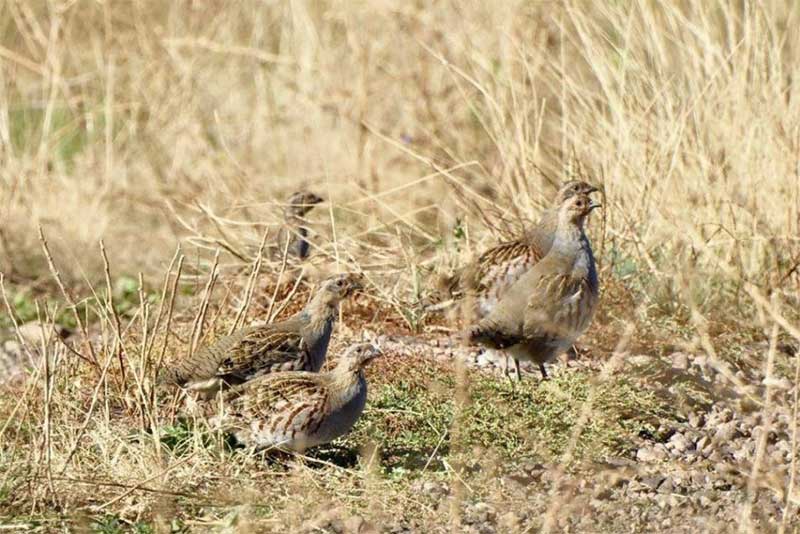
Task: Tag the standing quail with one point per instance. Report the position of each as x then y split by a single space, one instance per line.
297 410
293 236
487 279
552 304
298 343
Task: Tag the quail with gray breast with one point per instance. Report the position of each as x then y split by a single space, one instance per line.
552 304
480 285
294 411
298 343
486 280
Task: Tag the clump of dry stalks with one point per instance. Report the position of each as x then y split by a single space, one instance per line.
143 125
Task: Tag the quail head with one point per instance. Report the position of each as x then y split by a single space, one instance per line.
300 203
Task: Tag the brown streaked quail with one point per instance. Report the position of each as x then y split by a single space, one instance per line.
298 343
552 304
296 410
487 279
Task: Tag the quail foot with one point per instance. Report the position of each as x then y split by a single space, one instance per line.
298 343
293 236
552 304
297 410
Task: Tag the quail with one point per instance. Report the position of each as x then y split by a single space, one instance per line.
552 304
298 343
488 278
296 410
293 236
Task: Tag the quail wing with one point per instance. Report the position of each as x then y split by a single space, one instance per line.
264 349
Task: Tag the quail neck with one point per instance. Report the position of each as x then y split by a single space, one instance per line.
319 320
294 235
347 378
322 311
347 383
569 233
570 241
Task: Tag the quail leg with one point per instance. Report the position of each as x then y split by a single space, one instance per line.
544 372
507 368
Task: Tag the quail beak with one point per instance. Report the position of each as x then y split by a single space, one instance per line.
375 352
592 189
314 199
594 204
356 283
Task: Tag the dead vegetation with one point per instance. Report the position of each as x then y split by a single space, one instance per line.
130 129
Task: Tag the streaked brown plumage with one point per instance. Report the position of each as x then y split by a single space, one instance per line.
299 343
297 410
486 280
552 304
293 236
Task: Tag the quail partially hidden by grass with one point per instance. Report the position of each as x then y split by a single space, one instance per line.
297 410
293 236
551 305
299 343
486 280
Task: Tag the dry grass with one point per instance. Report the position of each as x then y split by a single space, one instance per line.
147 125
